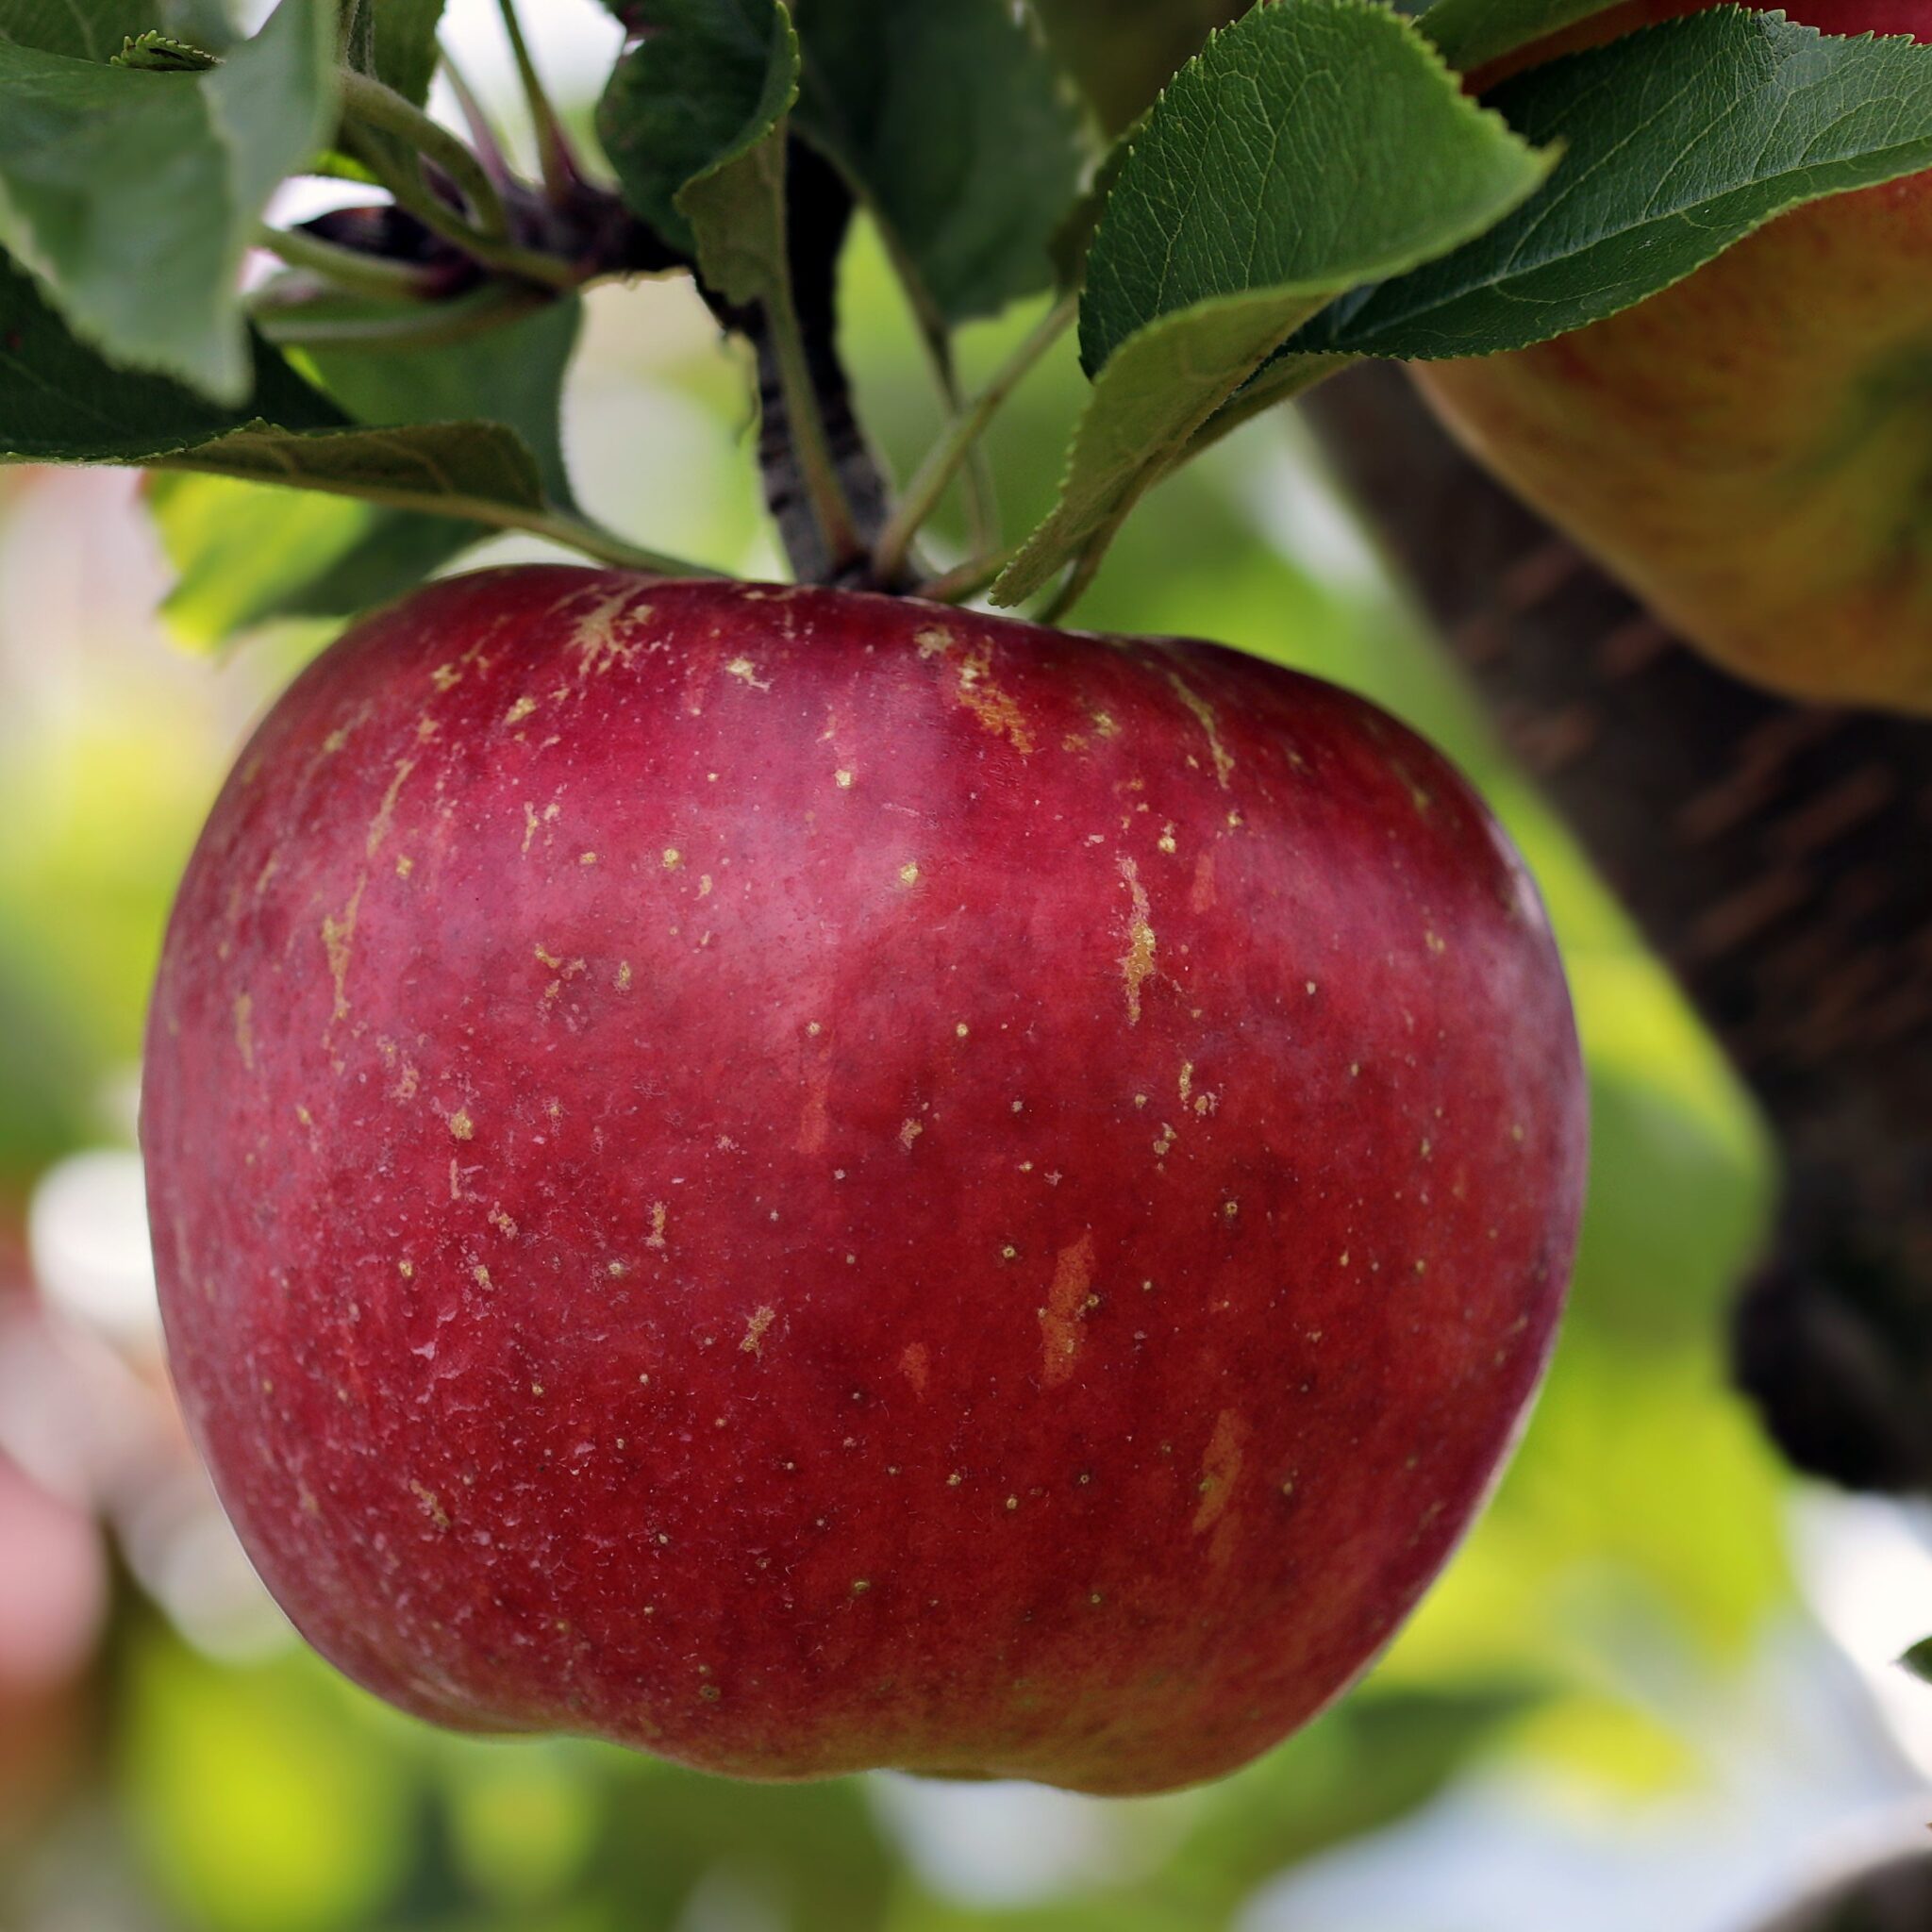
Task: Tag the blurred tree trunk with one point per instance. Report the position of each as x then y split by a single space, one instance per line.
1892 1898
1779 858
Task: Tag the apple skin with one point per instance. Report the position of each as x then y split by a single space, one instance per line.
807 1181
1747 449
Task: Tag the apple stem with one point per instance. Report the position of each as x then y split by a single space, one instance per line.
811 447
824 487
962 437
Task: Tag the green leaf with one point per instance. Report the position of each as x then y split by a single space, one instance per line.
1279 379
247 553
1680 139
1918 1660
513 373
947 118
1122 51
240 552
1226 231
460 469
709 82
94 29
133 196
1148 402
951 127
155 53
736 205
1471 32
1233 184
61 402
402 50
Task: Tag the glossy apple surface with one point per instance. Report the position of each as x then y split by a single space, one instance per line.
1749 450
803 1180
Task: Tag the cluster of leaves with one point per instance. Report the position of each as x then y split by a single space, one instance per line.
1317 183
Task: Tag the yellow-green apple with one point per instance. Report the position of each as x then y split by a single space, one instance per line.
1751 449
804 1180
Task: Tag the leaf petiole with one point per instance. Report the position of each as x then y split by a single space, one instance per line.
1078 580
411 192
943 461
429 326
554 158
347 268
556 526
966 579
369 103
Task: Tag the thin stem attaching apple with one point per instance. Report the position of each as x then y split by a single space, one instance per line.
811 444
962 437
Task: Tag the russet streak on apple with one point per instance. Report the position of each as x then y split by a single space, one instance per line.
804 1181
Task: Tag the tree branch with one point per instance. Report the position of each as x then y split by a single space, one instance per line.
1776 856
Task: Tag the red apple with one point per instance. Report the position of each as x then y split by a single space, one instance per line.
1748 448
804 1180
